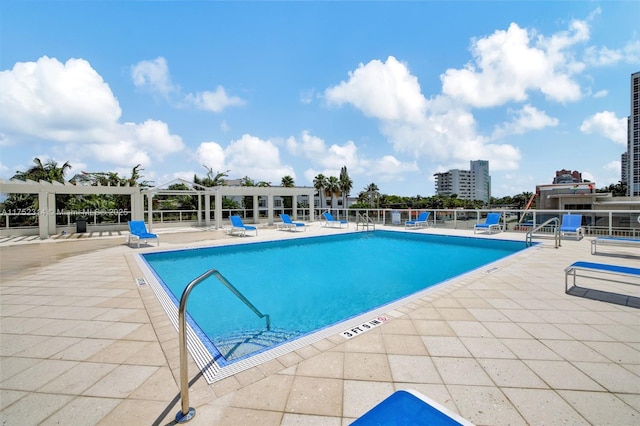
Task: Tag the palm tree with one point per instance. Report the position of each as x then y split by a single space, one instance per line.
346 184
374 194
332 188
320 183
287 182
48 171
211 180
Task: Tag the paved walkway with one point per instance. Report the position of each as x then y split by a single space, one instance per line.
82 343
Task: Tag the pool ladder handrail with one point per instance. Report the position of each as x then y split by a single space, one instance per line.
556 232
365 221
187 413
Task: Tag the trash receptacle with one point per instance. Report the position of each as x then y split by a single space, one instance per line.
81 225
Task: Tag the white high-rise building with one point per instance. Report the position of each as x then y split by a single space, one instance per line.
473 184
633 140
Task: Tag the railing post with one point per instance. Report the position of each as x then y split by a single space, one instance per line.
186 413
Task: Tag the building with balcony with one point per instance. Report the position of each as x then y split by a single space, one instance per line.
473 184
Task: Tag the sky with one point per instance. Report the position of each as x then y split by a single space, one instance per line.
395 91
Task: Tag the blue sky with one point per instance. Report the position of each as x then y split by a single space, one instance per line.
395 91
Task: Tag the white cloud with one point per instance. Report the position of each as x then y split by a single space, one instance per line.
526 119
306 96
70 104
437 129
604 56
213 101
606 124
389 168
310 147
601 94
256 158
211 155
396 95
56 101
508 64
329 159
153 75
613 166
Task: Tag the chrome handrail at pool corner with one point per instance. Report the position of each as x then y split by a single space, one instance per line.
187 413
365 221
556 231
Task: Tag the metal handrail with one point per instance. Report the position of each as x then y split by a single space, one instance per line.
187 413
366 221
556 232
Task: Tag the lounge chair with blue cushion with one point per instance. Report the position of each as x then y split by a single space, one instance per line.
410 407
287 223
138 231
420 222
572 225
330 221
492 223
238 226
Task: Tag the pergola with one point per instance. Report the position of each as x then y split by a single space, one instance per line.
218 192
47 192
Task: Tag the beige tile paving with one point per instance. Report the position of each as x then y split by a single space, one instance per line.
81 343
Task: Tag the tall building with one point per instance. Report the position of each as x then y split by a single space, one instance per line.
473 184
481 180
567 176
633 139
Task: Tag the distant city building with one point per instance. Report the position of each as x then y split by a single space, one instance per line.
566 195
567 176
624 169
473 184
633 140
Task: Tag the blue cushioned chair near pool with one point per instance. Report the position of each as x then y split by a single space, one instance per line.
410 408
614 241
290 225
421 221
138 231
329 220
572 225
238 226
491 224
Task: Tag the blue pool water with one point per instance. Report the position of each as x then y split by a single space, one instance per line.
307 284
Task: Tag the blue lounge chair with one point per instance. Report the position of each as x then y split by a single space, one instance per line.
491 223
138 231
409 407
287 223
330 221
614 241
238 226
420 222
572 225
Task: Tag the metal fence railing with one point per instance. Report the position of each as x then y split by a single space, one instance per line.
624 223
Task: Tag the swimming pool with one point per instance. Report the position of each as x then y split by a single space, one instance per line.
310 284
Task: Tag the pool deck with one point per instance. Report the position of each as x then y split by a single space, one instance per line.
82 343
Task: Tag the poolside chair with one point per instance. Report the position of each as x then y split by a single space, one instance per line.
572 225
287 223
491 224
138 231
410 407
420 222
330 221
238 226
